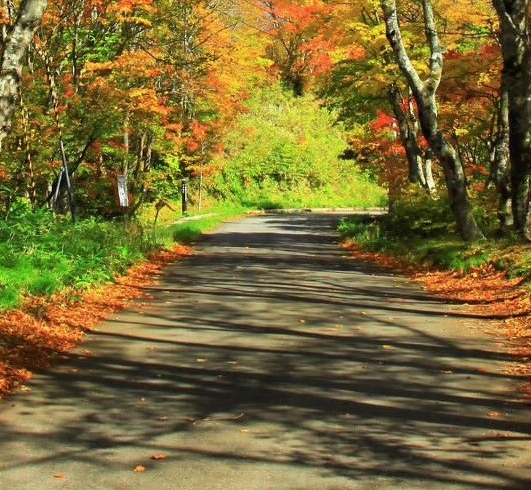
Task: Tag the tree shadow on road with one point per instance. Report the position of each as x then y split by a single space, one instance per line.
297 364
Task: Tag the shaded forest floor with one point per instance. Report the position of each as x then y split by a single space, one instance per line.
38 335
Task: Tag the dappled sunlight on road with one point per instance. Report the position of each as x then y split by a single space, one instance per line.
268 360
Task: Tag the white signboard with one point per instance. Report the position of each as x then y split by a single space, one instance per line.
122 191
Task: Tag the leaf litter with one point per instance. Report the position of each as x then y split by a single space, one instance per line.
44 329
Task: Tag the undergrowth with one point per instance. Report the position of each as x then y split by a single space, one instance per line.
41 253
421 231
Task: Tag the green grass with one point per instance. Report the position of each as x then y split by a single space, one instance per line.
41 254
442 251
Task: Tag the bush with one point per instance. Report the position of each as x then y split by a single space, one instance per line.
418 215
285 152
41 253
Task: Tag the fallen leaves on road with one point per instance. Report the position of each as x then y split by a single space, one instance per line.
44 329
158 457
485 292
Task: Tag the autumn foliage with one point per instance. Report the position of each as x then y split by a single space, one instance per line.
154 92
46 328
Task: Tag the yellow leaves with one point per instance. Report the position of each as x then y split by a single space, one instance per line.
99 67
484 79
140 93
461 132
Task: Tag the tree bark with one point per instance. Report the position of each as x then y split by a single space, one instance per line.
14 48
516 50
424 93
408 134
500 160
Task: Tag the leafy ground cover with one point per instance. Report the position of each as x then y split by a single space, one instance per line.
46 327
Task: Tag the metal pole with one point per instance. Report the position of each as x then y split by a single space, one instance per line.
68 184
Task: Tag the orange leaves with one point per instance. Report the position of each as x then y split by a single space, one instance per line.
303 37
36 336
130 11
156 457
299 16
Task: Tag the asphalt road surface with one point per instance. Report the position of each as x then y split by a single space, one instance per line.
270 360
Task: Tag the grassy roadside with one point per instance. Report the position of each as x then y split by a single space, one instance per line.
111 264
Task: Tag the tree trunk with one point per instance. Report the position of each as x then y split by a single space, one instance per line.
14 49
500 161
424 93
516 49
428 172
409 137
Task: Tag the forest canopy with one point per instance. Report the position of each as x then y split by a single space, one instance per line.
268 102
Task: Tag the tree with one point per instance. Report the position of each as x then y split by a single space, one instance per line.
419 167
301 39
515 37
14 49
424 92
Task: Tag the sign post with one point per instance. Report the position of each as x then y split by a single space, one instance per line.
123 196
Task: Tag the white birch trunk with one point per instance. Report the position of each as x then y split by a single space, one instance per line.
14 48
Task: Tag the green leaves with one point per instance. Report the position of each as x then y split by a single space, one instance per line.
41 254
285 152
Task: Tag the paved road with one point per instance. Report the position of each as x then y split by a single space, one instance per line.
270 361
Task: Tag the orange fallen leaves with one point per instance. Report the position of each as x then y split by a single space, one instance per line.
485 292
158 457
489 292
39 334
